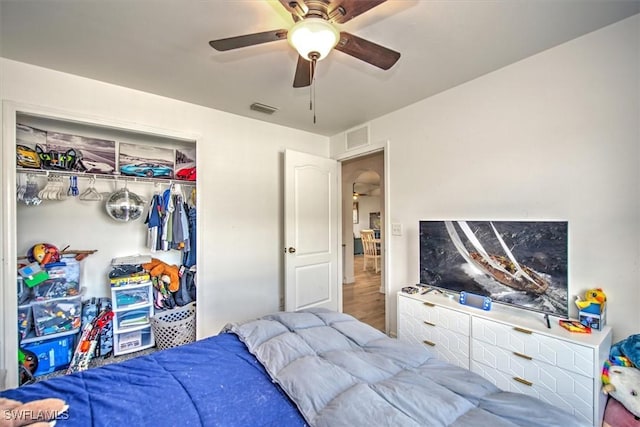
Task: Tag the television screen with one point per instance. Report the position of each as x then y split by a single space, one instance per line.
521 263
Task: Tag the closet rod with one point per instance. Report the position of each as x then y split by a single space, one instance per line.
47 172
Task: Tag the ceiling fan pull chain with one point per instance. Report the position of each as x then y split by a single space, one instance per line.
312 88
310 85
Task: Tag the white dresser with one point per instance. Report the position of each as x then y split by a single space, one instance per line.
513 348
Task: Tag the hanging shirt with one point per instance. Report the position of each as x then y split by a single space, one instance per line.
154 223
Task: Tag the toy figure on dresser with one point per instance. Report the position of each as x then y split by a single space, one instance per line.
593 308
621 381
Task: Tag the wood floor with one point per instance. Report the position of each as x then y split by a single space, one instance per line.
363 299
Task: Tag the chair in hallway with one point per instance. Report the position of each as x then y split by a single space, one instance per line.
371 248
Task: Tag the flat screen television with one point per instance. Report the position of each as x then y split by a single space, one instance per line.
520 263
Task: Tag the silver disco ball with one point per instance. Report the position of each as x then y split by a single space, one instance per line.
123 205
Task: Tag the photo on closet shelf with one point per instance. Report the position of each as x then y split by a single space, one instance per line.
186 164
27 138
92 155
146 160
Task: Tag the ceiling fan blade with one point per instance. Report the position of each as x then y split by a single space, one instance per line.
248 40
341 11
367 51
304 73
296 8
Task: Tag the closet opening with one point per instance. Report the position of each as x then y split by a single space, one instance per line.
96 191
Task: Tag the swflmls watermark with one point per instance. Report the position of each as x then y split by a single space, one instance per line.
33 415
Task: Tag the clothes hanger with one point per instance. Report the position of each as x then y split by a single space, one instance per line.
91 194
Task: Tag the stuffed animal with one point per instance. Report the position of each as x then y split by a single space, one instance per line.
620 374
39 413
594 300
165 272
624 386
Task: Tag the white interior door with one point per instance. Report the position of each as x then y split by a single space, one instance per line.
312 203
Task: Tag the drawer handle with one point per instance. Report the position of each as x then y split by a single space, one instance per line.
429 323
524 356
524 331
522 381
429 304
432 344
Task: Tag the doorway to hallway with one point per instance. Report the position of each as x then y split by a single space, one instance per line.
363 290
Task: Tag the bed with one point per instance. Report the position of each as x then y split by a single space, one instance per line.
313 367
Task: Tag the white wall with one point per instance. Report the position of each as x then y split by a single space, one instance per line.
366 205
554 136
240 164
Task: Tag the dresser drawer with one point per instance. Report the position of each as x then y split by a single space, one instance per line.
435 315
445 344
448 345
430 325
573 393
552 351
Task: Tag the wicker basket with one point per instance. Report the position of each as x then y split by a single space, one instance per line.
172 328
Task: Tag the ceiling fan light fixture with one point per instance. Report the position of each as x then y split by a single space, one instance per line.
313 38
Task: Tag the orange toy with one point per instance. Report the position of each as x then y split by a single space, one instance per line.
165 272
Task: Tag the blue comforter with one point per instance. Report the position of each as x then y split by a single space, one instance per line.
212 382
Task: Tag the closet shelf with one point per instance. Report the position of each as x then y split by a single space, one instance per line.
47 172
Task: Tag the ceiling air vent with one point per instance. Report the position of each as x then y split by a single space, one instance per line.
358 137
262 108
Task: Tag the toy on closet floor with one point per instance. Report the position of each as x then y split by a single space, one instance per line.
621 376
88 342
165 272
27 365
39 413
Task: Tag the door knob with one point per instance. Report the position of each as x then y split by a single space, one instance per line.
292 249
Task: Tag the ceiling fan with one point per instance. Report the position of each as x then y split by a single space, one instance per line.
314 35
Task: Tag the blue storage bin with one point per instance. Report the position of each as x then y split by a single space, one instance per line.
53 354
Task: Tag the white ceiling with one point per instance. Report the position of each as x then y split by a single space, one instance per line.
161 46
